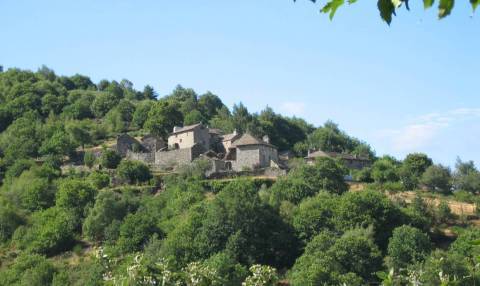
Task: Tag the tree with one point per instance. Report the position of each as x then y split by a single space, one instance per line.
109 206
79 132
9 221
466 177
388 8
237 222
413 168
51 232
28 269
75 195
135 231
149 93
32 191
134 172
306 181
109 159
193 117
89 159
437 178
140 115
162 117
314 215
99 179
59 144
368 208
209 104
331 260
384 170
407 245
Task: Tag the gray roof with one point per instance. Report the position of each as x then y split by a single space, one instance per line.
186 128
231 136
248 139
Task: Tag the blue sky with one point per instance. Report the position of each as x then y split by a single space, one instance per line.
413 86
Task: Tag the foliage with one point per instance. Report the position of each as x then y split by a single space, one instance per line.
406 246
235 221
162 117
9 221
413 168
134 172
28 269
75 196
99 179
89 159
261 276
51 231
387 9
437 178
384 170
109 159
329 260
306 181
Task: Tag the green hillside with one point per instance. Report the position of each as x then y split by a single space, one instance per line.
73 212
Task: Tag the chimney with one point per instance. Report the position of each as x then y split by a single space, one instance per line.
235 132
266 139
176 128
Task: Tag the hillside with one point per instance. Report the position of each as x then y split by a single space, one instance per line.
74 211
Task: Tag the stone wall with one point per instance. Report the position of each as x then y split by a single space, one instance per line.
125 143
247 157
147 158
170 159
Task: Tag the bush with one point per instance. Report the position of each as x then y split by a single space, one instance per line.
28 269
443 213
330 260
134 172
51 232
407 245
437 179
110 159
306 181
99 179
89 159
9 221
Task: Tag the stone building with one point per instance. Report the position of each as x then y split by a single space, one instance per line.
188 136
350 161
231 152
249 152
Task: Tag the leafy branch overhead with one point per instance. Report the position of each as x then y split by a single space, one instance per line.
387 8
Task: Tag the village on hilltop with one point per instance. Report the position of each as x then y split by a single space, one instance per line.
228 153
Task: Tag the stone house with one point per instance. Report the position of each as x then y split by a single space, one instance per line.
231 152
350 161
188 136
249 152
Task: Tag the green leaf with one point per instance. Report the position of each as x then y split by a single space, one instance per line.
331 7
475 242
445 7
386 9
397 3
475 4
428 3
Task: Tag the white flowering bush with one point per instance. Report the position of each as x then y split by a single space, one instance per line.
262 275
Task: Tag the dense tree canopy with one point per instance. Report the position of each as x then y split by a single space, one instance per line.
73 212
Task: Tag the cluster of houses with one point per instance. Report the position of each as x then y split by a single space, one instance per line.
227 152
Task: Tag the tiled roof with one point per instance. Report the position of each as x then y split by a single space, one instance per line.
248 139
230 136
186 128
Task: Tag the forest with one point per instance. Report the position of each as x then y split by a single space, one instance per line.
115 222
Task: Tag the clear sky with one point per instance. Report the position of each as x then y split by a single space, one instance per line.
413 86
